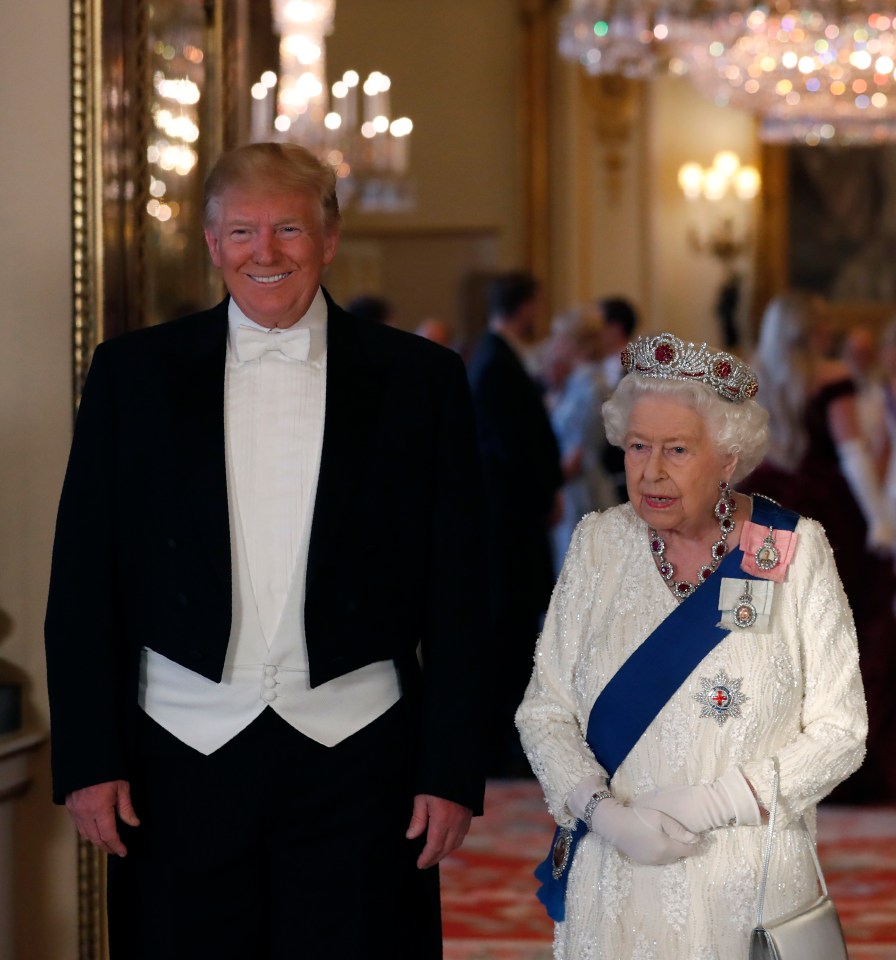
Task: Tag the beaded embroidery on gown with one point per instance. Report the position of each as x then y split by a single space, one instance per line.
802 702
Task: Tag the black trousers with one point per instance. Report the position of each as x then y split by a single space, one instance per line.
274 848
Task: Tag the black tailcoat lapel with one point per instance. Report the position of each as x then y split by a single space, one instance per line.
197 416
355 369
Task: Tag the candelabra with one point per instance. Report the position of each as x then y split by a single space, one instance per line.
350 126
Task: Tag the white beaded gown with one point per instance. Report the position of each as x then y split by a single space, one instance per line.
801 700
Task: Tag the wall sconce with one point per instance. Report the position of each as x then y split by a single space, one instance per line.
722 194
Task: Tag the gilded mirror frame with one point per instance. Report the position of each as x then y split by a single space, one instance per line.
113 43
111 88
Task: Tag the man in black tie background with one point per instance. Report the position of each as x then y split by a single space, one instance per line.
266 609
523 478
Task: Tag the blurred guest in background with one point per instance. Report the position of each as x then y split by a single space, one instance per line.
521 463
576 392
860 354
888 372
818 464
620 320
373 308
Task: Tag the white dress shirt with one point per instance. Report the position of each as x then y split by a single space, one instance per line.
274 425
274 422
611 371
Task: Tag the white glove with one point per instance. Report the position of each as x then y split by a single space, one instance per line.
647 836
726 801
859 472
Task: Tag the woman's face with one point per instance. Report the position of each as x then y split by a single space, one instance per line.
672 467
558 361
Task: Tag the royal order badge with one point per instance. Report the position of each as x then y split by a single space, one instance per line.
768 556
720 697
745 612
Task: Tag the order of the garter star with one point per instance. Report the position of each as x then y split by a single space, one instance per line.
720 697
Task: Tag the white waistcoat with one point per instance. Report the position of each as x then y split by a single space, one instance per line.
267 666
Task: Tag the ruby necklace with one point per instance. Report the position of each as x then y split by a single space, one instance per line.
681 589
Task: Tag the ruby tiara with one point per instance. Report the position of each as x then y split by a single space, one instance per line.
665 357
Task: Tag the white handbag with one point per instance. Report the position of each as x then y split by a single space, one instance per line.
811 933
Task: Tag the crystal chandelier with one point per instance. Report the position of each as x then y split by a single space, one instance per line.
819 70
368 150
629 37
302 25
816 72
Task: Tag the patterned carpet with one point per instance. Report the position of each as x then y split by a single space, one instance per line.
490 910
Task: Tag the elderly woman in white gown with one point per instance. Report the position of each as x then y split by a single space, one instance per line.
696 637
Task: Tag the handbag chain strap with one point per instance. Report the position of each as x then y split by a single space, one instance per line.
772 817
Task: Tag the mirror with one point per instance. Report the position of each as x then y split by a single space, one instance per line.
154 100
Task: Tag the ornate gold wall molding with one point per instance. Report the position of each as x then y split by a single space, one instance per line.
770 255
615 102
87 247
109 171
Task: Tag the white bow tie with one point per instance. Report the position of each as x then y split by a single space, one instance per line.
292 343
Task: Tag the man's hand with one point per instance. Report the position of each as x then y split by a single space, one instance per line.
446 824
93 809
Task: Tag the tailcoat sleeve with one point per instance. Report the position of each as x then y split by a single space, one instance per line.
834 721
451 764
548 719
86 659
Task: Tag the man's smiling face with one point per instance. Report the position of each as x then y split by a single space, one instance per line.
271 248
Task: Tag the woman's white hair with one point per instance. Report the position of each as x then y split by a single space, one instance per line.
735 428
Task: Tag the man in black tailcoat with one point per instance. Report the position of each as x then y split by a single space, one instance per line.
265 609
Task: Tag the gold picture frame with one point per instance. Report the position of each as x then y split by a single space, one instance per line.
821 256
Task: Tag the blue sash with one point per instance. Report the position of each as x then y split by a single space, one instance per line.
640 689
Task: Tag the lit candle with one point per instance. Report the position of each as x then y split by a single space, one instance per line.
690 179
350 78
261 113
399 130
